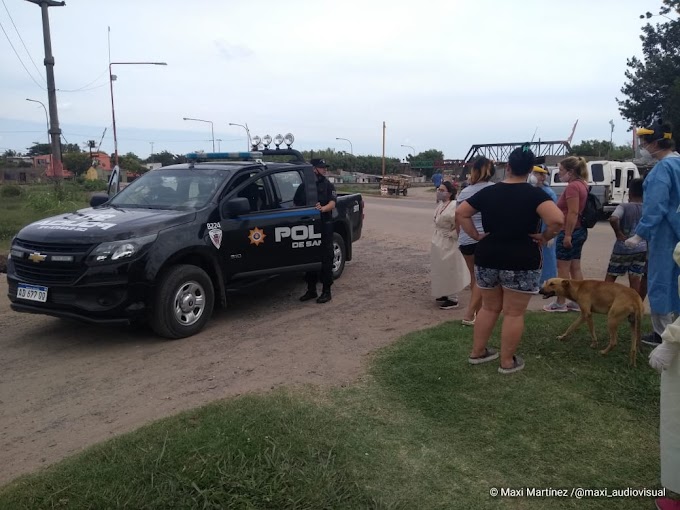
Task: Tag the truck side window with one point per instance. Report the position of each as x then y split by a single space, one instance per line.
617 178
256 193
289 189
597 172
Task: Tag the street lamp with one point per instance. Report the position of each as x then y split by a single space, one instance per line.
351 150
219 147
47 122
212 130
112 77
247 132
412 148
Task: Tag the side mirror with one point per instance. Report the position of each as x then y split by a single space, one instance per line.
234 207
98 199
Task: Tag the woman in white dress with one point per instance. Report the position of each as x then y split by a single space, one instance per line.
449 272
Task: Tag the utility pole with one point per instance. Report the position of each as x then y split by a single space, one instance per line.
151 148
55 132
383 156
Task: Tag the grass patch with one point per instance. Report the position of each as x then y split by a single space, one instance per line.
422 430
33 203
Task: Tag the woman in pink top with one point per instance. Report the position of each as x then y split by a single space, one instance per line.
574 171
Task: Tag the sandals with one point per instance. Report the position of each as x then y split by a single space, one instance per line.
489 355
517 365
466 322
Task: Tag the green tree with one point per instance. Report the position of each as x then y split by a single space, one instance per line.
76 162
39 149
426 161
165 158
602 149
653 83
70 147
131 163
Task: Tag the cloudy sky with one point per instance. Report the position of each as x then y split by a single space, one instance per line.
441 74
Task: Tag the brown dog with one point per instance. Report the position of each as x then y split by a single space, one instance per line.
617 301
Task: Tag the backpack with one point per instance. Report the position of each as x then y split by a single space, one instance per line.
591 212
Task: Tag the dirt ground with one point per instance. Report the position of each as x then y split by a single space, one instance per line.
65 385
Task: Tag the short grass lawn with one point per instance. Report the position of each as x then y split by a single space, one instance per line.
423 429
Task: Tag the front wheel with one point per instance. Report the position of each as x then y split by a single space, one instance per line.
184 302
405 192
339 255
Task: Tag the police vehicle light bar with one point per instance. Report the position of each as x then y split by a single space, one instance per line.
224 155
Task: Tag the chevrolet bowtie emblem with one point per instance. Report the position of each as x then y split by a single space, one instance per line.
37 257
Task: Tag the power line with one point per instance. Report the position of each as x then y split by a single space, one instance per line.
85 87
22 40
19 57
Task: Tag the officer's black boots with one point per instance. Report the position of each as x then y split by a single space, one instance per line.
325 296
310 294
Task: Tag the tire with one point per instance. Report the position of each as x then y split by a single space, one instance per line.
405 192
177 311
339 255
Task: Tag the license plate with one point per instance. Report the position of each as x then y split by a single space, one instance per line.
32 292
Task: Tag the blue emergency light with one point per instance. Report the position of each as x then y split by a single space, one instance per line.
223 155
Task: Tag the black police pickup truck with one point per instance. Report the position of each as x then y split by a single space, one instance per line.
167 247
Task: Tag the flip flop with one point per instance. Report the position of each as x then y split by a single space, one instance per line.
489 355
517 365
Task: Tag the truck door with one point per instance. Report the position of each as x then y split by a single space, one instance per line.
618 187
271 236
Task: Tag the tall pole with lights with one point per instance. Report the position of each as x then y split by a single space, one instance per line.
112 78
247 132
351 149
212 130
47 122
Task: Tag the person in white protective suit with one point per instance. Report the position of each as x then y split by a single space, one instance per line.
660 226
666 359
448 270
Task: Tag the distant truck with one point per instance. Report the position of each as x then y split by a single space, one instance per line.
608 181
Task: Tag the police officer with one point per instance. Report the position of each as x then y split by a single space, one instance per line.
327 197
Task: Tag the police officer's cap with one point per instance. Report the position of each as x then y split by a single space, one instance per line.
319 163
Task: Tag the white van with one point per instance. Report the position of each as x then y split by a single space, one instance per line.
609 181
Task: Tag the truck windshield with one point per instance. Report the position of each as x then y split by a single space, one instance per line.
184 189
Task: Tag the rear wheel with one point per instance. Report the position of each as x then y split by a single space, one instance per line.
405 191
184 302
339 255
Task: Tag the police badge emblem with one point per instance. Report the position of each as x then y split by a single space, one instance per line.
215 235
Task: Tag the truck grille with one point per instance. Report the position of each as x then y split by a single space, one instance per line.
33 273
49 272
48 248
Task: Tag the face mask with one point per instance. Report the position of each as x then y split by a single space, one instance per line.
442 196
533 180
645 153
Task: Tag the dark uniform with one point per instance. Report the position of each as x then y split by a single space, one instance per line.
326 193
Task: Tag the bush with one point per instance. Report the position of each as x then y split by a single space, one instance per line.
56 199
96 185
10 190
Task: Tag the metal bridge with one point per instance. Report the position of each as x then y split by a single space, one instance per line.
499 152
